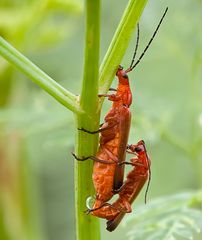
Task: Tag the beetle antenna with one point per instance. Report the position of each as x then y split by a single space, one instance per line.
148 184
136 46
154 34
149 170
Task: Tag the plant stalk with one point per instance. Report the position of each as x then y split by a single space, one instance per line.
86 144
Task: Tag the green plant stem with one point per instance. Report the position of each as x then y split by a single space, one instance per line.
38 76
86 144
120 43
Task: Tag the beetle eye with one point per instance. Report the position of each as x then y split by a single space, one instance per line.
120 67
124 75
138 149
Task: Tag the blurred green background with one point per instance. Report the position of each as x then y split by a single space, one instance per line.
37 134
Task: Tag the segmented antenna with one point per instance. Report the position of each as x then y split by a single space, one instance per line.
149 180
148 184
136 46
154 34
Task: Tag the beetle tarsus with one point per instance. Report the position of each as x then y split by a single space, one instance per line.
87 131
80 159
113 89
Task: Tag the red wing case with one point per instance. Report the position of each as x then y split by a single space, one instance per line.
125 120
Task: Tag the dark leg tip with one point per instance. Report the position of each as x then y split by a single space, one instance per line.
74 155
81 129
79 159
88 211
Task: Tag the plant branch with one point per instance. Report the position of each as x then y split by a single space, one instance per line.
120 43
63 96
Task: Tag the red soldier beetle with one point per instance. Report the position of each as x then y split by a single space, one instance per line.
130 189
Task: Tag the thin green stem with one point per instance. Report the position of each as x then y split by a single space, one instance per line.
120 43
86 144
38 76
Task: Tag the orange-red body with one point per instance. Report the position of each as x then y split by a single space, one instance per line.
113 142
135 180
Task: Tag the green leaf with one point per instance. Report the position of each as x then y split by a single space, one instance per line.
169 218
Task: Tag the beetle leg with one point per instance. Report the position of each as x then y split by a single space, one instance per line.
112 89
92 158
124 162
101 160
99 130
130 152
89 210
104 95
133 163
91 132
79 159
111 97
